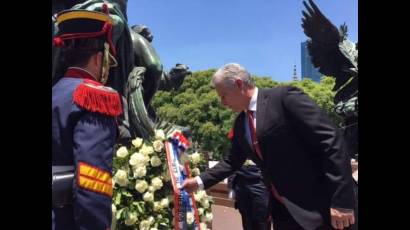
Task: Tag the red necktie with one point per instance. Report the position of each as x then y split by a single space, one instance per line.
258 151
253 135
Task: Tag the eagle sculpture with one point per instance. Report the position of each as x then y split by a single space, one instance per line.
336 56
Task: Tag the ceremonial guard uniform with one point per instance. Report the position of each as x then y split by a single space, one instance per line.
84 131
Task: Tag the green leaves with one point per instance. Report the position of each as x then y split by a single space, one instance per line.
139 206
119 213
126 193
117 199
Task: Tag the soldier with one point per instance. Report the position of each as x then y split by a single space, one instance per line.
84 128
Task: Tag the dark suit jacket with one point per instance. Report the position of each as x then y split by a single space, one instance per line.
304 155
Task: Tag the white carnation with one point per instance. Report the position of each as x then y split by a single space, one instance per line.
122 152
151 188
159 134
195 172
158 146
155 161
189 217
199 195
144 225
156 183
148 197
137 159
121 178
141 186
140 171
157 206
137 142
196 158
164 203
200 211
131 218
208 217
151 220
147 150
205 203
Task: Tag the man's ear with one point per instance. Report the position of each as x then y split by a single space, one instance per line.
98 58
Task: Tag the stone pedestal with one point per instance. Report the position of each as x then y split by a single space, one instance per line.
219 193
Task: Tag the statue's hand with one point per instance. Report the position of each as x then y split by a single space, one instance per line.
178 74
139 119
136 77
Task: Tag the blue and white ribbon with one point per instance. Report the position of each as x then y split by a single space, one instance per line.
183 201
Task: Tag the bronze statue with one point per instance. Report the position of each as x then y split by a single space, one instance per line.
148 71
335 56
175 77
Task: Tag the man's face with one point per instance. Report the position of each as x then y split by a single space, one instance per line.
233 98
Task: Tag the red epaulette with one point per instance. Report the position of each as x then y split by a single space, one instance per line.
93 96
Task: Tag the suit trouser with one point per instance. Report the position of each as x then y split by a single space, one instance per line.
254 208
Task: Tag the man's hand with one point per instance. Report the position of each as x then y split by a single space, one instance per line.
341 218
190 185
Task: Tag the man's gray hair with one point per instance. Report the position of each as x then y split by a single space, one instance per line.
229 73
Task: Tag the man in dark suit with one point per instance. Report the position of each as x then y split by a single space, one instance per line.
300 152
251 196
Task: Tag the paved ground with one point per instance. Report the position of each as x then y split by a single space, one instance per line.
225 218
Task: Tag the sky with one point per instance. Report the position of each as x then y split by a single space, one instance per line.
262 35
